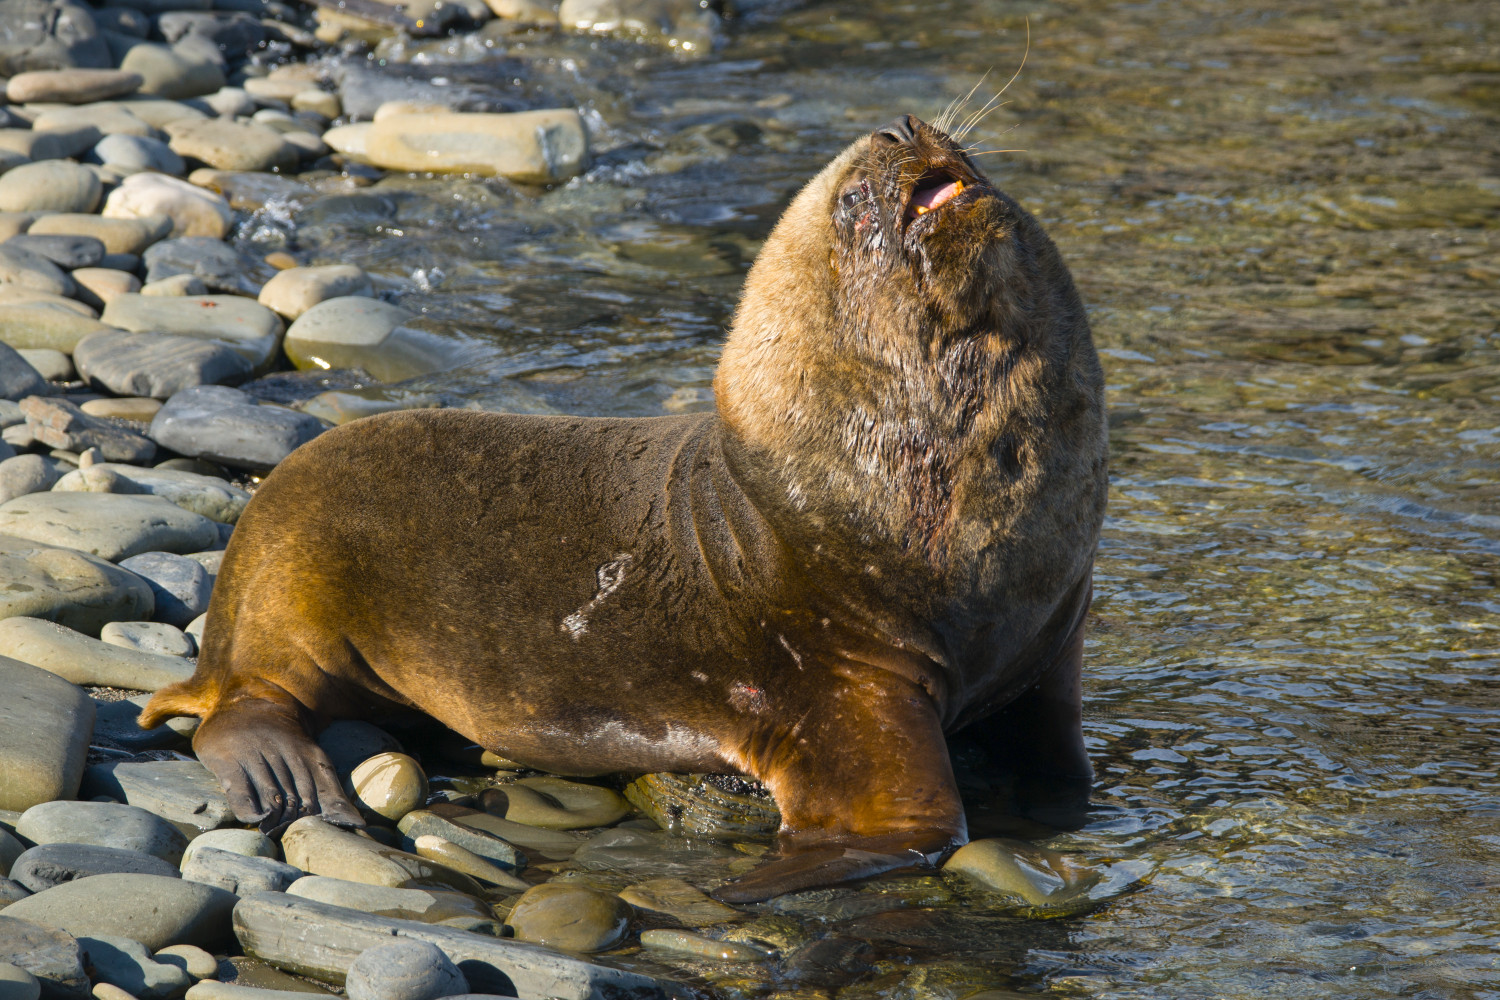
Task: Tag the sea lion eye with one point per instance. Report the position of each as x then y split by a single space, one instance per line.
855 195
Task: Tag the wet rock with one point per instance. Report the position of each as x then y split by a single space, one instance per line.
193 210
239 974
112 526
45 724
49 34
130 236
47 865
79 659
71 86
58 423
246 326
364 333
134 153
420 823
148 637
687 944
249 843
51 955
319 848
404 969
67 252
556 804
49 186
297 289
18 984
124 962
430 906
570 917
320 940
552 843
182 791
1027 874
24 269
672 897
63 585
533 147
105 824
180 586
44 326
191 959
350 742
115 724
209 496
680 24
461 859
160 911
388 785
156 365
226 425
98 286
172 72
237 873
228 145
18 379
706 804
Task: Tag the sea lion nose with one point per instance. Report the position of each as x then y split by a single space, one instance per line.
899 132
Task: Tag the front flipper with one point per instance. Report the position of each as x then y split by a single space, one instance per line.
271 770
864 785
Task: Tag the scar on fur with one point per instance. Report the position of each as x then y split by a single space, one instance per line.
609 577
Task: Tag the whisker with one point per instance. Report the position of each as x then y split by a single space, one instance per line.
977 117
956 105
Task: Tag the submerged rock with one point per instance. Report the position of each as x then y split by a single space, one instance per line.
570 917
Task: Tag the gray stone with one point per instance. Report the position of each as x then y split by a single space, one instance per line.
430 906
63 585
228 426
29 326
231 32
49 34
350 742
181 586
229 145
18 379
404 969
75 657
182 791
73 86
22 268
105 824
54 366
154 364
50 186
99 286
18 984
47 144
133 153
130 236
124 962
323 941
112 526
85 125
115 725
193 210
240 323
45 724
10 849
366 333
320 848
247 843
11 891
158 112
68 252
172 72
123 21
47 865
533 147
217 264
207 495
158 638
237 873
420 822
52 956
189 958
177 285
161 910
59 423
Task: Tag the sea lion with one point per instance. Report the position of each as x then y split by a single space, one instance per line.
886 532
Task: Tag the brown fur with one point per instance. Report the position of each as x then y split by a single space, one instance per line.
885 532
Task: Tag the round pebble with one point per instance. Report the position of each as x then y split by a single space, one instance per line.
570 917
50 186
389 785
134 153
405 969
191 959
250 843
149 637
180 585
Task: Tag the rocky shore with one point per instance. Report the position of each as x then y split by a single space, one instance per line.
150 373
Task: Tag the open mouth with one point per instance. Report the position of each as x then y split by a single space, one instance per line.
934 189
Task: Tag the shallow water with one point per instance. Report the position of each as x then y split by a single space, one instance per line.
1284 219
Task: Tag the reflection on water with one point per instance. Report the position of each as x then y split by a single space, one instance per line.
1284 219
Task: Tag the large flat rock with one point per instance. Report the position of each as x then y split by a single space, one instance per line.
112 526
64 585
322 941
79 659
182 791
240 323
45 725
155 910
229 426
154 364
103 824
52 956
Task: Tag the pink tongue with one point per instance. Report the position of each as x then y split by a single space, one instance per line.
932 197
